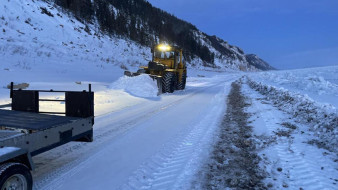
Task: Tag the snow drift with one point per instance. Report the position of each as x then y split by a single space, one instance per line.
140 86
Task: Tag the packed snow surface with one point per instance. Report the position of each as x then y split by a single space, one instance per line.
140 86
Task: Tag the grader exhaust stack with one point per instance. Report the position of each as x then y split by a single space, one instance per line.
167 68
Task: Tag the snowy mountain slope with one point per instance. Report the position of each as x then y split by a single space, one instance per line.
226 55
32 40
40 33
148 25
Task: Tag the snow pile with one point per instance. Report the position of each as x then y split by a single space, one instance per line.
140 86
322 119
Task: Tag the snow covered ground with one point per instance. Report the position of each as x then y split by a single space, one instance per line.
288 156
296 113
145 141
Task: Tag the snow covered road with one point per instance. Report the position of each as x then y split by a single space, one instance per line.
130 142
142 141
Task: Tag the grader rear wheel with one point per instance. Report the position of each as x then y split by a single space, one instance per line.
181 85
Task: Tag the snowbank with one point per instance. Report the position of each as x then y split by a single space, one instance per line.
140 86
322 119
321 84
311 82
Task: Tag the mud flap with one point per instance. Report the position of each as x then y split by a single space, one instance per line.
159 85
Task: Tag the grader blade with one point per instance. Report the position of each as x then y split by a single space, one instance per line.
131 74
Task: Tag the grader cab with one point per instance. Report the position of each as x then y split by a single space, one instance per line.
167 67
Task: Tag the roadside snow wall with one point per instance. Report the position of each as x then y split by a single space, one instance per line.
321 119
140 86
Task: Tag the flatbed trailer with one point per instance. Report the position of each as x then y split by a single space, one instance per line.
26 132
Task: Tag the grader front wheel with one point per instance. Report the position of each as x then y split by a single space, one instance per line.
168 82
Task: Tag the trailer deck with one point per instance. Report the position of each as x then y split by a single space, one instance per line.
25 131
32 121
7 134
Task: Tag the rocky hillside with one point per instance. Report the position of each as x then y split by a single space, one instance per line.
257 62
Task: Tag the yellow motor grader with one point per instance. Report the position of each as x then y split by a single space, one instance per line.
167 67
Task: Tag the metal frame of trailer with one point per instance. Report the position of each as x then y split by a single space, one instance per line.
25 131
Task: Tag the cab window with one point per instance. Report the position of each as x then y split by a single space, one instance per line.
164 55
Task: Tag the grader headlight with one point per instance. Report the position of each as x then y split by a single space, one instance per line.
164 47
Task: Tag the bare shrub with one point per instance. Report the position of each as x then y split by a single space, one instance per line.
124 67
45 11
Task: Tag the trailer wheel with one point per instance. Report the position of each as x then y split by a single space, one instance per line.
181 85
168 82
15 176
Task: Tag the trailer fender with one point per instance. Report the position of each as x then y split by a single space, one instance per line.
8 154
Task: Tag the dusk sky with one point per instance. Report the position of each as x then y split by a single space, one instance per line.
285 33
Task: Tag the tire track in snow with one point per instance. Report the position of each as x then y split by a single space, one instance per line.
172 167
100 138
302 173
302 169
